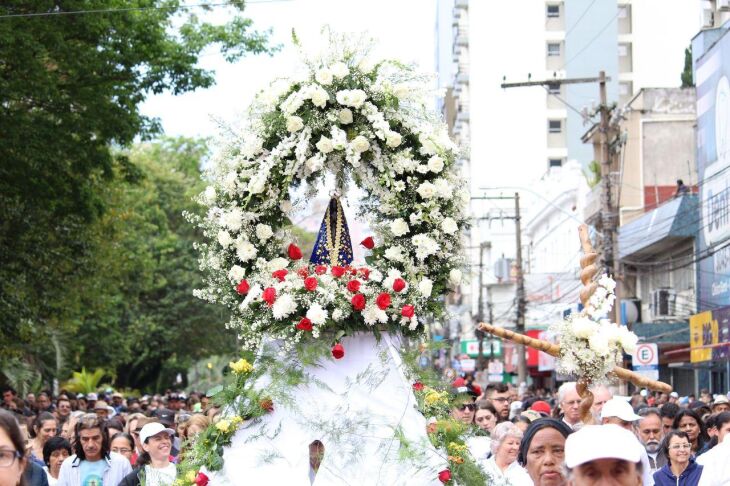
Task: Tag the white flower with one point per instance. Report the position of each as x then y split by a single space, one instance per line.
399 186
455 277
224 238
257 183
339 138
366 65
319 97
277 263
252 147
293 102
607 282
324 145
425 286
314 164
436 164
285 206
351 97
263 232
628 340
345 116
416 217
425 246
209 195
583 327
360 144
337 315
422 169
394 253
392 275
294 124
443 188
401 90
426 190
245 251
427 145
340 70
317 314
393 139
284 306
449 226
399 227
236 273
232 219
599 344
373 314
324 76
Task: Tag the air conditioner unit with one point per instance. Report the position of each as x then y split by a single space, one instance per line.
663 302
723 5
708 18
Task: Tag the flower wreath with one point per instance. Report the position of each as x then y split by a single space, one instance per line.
363 122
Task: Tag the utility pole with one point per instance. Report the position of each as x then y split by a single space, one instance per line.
484 245
521 302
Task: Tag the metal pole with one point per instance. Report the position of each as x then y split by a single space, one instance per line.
521 303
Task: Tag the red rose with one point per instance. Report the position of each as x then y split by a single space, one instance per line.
305 324
280 274
303 272
338 351
353 271
338 271
269 296
243 287
358 302
310 283
201 479
365 272
418 386
383 300
353 286
320 269
445 476
399 284
294 252
368 243
267 404
407 311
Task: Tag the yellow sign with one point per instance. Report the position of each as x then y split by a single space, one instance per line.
703 331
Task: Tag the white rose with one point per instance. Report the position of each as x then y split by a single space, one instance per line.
628 340
599 344
426 190
317 314
399 227
257 184
209 194
337 315
394 253
224 238
455 277
236 273
448 226
263 232
245 251
584 328
357 98
252 147
436 164
314 164
294 124
425 286
319 98
607 282
340 70
324 76
366 65
339 138
325 145
345 116
443 188
232 219
393 139
278 263
422 169
360 144
283 307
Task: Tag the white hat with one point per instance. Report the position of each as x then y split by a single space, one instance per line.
151 429
594 442
617 407
674 394
92 397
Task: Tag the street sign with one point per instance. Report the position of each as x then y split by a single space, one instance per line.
495 370
468 365
471 347
645 360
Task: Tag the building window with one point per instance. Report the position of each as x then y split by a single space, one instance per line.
555 126
623 50
553 49
553 88
555 163
623 11
553 11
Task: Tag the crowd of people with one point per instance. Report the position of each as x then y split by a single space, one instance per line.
538 438
519 437
97 439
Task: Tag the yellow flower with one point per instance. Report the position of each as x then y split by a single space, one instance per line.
223 425
456 459
210 366
236 420
190 476
241 366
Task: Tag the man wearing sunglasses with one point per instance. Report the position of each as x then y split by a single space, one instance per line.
463 403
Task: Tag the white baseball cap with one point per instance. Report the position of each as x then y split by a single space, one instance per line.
594 442
151 429
617 407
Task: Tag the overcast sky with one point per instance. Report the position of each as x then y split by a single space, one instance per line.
405 29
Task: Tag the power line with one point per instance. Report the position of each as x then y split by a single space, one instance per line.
575 24
134 9
593 39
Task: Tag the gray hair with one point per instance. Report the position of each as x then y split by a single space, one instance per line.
566 387
501 432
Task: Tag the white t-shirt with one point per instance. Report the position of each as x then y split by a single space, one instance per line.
160 477
514 475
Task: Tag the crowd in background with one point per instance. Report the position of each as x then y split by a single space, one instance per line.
521 437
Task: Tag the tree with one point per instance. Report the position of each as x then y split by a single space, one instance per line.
70 89
687 78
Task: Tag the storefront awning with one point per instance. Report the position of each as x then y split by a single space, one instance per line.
662 332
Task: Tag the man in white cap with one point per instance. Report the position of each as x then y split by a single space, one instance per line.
603 454
617 411
721 404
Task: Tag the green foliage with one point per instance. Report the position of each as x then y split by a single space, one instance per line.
687 78
85 382
593 175
70 90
